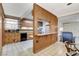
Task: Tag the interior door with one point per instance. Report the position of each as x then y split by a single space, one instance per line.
1 25
40 17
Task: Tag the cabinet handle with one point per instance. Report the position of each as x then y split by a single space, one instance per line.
36 41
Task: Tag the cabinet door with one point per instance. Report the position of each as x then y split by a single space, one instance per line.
17 37
6 39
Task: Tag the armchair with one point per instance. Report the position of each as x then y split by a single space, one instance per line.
69 41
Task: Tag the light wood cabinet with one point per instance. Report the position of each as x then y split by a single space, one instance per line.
11 37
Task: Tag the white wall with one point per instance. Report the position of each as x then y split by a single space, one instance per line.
72 27
60 28
72 22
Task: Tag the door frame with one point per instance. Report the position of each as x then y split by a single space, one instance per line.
2 24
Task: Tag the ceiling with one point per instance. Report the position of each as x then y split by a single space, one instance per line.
25 9
69 18
61 9
18 9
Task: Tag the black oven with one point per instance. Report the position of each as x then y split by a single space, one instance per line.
23 36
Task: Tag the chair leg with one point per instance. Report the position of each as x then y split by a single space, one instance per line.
74 54
67 54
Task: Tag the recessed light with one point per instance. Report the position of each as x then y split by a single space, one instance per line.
69 4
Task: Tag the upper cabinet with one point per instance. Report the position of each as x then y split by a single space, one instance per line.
11 24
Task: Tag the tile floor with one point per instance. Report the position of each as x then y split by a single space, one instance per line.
57 49
25 49
15 48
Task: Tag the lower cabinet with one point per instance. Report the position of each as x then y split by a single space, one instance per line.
11 37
